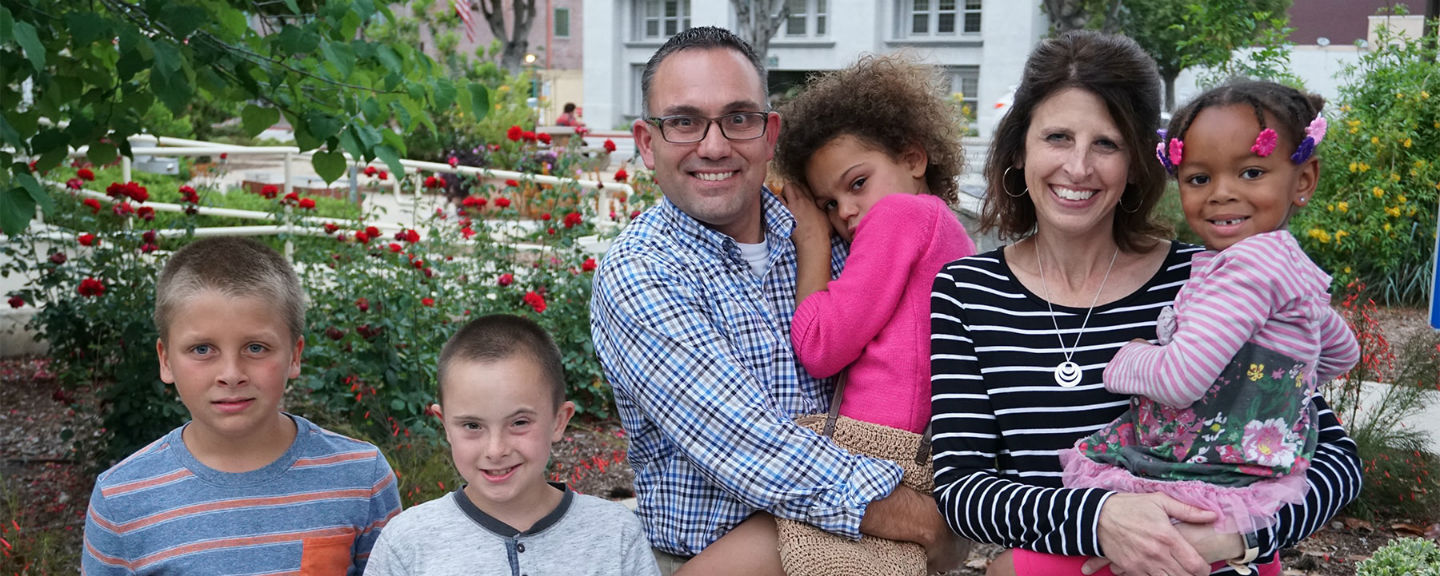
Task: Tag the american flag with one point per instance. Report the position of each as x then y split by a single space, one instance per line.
462 7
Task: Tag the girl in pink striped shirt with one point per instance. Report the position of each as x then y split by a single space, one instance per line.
1221 417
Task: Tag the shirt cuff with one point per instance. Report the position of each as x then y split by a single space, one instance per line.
841 511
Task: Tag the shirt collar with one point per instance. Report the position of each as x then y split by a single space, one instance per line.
778 223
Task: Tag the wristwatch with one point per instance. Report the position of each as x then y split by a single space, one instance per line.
1241 565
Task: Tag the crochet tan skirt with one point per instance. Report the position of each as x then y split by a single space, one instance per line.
806 550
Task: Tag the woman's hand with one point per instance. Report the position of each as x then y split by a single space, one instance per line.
1139 539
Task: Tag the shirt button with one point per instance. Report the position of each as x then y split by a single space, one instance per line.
520 547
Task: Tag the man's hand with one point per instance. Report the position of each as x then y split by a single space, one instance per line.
1138 537
911 516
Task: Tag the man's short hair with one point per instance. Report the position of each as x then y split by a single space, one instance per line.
704 37
234 267
569 107
497 337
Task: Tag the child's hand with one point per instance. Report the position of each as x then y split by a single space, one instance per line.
812 228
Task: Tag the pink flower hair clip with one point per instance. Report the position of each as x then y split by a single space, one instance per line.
1314 134
1170 156
1265 143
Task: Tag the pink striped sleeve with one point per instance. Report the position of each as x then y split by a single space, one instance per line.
1338 349
1217 313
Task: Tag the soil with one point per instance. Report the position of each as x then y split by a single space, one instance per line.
44 486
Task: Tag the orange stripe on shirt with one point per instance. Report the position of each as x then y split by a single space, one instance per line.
238 543
382 484
145 483
332 459
359 493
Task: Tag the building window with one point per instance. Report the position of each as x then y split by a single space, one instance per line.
661 19
807 18
965 80
562 22
941 17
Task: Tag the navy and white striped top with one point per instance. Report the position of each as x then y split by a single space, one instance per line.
1000 419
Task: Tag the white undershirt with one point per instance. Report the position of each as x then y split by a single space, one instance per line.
758 255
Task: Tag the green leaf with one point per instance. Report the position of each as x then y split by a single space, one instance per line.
36 191
444 93
256 119
296 40
16 210
7 23
389 59
294 8
85 28
183 20
49 139
480 100
323 126
26 37
391 159
339 56
167 57
233 22
371 109
328 165
351 143
9 135
173 90
101 153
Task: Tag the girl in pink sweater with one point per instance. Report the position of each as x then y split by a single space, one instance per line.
871 153
1221 418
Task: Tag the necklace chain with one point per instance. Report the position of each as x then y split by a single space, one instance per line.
1071 353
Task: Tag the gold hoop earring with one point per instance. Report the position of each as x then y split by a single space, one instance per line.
1003 187
1121 203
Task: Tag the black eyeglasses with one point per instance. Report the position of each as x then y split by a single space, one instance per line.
688 128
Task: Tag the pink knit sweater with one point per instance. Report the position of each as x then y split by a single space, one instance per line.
875 318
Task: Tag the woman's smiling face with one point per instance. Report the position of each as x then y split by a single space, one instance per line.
1076 165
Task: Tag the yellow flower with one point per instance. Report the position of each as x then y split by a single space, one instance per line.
1393 211
1345 108
1420 163
1401 199
1374 139
1378 192
1353 166
1394 176
1407 142
1399 95
1387 226
1329 207
1347 269
1424 95
1340 234
1364 167
1343 206
1411 212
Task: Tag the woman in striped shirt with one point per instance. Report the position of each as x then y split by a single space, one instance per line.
1021 335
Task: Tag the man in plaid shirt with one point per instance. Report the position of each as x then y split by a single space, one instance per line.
691 319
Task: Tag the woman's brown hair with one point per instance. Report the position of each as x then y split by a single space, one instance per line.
1124 77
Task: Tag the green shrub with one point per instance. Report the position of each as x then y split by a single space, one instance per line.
1373 216
1402 557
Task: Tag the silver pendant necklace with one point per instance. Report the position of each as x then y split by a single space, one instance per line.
1068 373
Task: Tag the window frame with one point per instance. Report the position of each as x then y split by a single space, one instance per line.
815 15
961 13
555 22
643 18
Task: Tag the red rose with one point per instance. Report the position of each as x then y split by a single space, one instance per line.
545 216
418 263
581 131
269 191
427 302
91 287
506 279
372 231
291 198
148 248
543 138
573 219
621 175
123 209
502 202
188 194
467 232
146 213
330 228
395 247
384 175
635 214
93 204
224 155
363 304
137 192
58 258
431 273
527 136
307 204
362 237
16 301
74 183
512 183
432 182
370 171
334 333
85 174
609 145
588 265
115 190
535 301
513 133
412 236
454 161
148 237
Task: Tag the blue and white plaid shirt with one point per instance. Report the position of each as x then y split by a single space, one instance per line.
698 351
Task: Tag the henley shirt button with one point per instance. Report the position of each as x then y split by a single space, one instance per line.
519 547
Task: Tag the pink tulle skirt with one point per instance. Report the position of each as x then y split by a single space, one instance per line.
1244 509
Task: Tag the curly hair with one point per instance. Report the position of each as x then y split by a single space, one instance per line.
1120 73
889 102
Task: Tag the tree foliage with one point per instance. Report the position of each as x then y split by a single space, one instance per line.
516 43
1214 32
84 74
1067 15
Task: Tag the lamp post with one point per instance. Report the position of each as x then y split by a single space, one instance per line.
534 100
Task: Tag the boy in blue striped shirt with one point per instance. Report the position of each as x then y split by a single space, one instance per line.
243 488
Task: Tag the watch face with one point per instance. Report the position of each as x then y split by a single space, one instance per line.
1252 540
